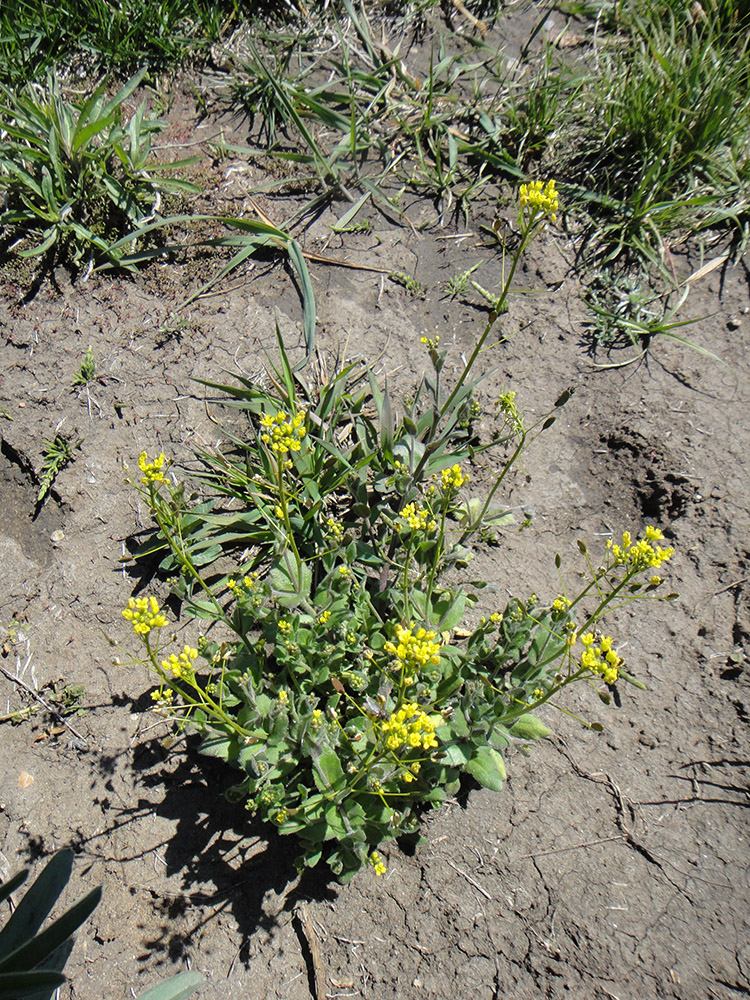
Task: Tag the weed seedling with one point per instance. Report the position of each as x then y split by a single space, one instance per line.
412 286
56 455
87 371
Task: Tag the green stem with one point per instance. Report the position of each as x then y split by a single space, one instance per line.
205 701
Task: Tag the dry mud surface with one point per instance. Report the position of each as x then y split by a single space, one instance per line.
613 865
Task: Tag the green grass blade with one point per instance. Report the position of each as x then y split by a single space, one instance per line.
35 951
308 298
15 985
124 92
178 988
12 884
37 902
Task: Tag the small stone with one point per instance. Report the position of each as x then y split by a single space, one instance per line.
25 779
734 323
57 536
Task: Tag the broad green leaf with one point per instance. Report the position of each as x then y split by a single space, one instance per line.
528 727
448 611
177 988
15 985
290 585
455 754
488 768
37 902
219 746
327 771
34 952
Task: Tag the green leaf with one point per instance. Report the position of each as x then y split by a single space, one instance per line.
327 771
12 884
456 755
335 828
529 727
177 988
36 951
37 903
288 588
488 768
448 611
14 985
218 746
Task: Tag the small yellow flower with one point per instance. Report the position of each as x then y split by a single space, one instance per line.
453 479
333 528
431 342
409 726
323 617
419 518
285 627
602 660
540 199
283 432
413 648
145 614
182 666
152 471
377 864
163 697
282 696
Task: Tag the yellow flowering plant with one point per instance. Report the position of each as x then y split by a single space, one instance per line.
336 674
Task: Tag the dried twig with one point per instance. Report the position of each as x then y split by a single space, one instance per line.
479 25
53 711
311 939
573 847
470 880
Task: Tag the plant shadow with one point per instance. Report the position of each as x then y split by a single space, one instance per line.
226 861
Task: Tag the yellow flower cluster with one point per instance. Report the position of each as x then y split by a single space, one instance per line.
507 405
419 518
333 528
641 554
377 864
409 727
283 433
145 614
162 698
600 659
541 198
431 342
414 649
248 583
181 667
453 479
153 472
